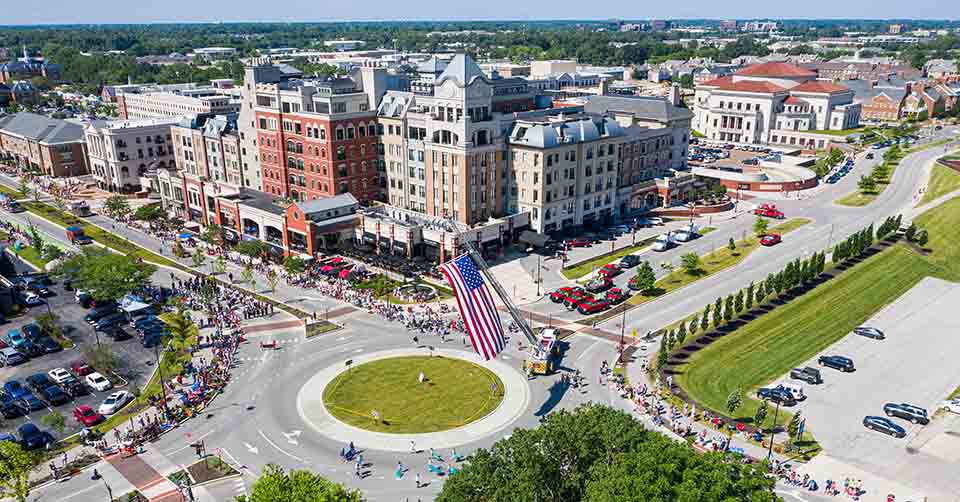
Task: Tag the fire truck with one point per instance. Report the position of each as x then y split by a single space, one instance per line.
769 211
545 356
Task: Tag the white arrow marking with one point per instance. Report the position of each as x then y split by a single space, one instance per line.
291 435
251 448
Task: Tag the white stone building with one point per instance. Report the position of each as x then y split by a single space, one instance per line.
122 151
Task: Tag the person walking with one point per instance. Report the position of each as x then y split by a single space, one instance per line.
413 446
418 480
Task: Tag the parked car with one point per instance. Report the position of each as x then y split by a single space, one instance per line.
609 270
14 389
9 409
795 390
770 240
579 243
914 414
951 405
39 381
777 396
75 388
844 364
664 242
599 284
98 382
54 395
31 331
16 339
61 375
86 416
560 294
616 295
884 425
29 402
593 306
109 322
100 312
32 438
629 261
769 211
575 298
869 332
11 357
80 368
32 299
48 345
114 402
807 374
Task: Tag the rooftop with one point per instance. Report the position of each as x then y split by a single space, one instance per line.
644 107
40 128
775 69
819 87
729 84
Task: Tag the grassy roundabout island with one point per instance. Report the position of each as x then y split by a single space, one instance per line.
454 393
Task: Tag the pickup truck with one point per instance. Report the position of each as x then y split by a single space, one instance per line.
807 374
76 236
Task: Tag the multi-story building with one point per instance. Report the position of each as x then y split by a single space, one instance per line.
728 25
211 54
27 68
773 103
49 146
444 142
121 152
319 137
563 170
880 100
136 105
20 93
207 164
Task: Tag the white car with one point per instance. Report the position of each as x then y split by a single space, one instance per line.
32 299
114 402
61 376
953 405
98 382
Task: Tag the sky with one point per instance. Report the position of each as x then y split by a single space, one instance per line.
140 11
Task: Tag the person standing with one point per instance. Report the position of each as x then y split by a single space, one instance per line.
418 480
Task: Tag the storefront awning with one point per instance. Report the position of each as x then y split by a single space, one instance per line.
533 238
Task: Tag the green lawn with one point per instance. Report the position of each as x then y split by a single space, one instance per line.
583 268
844 132
857 199
770 346
455 393
943 180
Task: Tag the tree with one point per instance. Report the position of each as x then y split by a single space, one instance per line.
761 226
295 265
748 298
867 184
220 265
212 235
731 245
100 357
645 279
198 258
734 400
247 274
911 232
55 421
183 332
694 324
922 238
761 414
681 333
662 353
58 201
705 318
15 467
793 428
252 249
107 275
36 239
718 313
51 252
728 308
178 249
117 206
276 485
23 189
738 302
149 213
272 279
690 263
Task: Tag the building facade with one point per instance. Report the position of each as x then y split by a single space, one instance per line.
48 146
121 152
772 103
135 106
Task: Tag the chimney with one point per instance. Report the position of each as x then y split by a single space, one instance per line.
673 96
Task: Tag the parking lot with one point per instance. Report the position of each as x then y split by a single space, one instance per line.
133 360
915 364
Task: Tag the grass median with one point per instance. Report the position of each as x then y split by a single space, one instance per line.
580 269
784 338
943 180
862 197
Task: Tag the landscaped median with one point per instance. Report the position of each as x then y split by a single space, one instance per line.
876 182
943 180
767 347
577 270
711 263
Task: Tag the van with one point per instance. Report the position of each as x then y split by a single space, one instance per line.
663 242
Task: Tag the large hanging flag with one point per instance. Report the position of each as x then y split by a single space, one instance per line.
476 306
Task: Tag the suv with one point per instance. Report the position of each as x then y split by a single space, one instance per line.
629 261
807 374
100 312
599 284
869 332
914 414
844 364
593 306
10 357
32 438
781 396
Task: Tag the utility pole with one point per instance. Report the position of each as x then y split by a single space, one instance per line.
163 388
539 270
773 431
623 326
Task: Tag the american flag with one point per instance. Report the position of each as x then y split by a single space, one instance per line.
476 306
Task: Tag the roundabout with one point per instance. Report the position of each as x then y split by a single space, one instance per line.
378 399
413 394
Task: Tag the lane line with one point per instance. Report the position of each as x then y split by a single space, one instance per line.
281 450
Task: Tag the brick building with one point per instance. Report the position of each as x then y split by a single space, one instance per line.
50 146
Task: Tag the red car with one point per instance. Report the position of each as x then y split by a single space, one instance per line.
599 284
610 270
769 211
80 369
770 240
575 298
593 306
563 293
616 295
86 416
579 243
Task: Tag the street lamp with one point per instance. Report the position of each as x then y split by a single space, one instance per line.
163 389
773 431
623 326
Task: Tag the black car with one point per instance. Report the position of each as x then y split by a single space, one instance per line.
869 332
629 261
884 425
55 395
100 312
30 349
108 322
74 388
48 345
844 364
777 396
39 381
914 414
10 410
32 438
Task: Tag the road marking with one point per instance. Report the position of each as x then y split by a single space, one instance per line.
281 450
292 437
251 448
358 351
178 450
